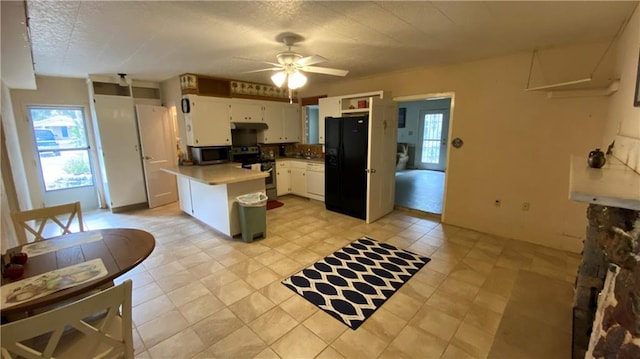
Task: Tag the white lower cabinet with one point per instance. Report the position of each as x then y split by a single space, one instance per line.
299 178
283 178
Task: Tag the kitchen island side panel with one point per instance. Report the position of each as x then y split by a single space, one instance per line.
238 189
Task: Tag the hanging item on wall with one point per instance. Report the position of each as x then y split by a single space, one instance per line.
402 117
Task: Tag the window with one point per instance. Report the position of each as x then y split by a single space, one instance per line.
61 143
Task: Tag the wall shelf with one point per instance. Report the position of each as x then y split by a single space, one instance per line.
614 185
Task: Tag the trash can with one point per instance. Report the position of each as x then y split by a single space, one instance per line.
253 215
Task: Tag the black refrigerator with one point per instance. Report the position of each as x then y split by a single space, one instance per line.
346 151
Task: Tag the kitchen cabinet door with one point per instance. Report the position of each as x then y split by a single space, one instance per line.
246 111
207 123
328 106
291 123
299 181
272 116
283 178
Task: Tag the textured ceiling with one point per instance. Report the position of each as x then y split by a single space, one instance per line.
156 40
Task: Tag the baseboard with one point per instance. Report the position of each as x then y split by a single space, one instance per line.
130 207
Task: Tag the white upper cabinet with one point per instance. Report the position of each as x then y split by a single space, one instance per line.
283 120
339 106
291 123
246 111
272 115
207 122
328 106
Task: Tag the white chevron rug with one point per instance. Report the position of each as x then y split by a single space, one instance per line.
354 281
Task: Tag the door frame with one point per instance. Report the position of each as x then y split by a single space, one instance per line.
433 96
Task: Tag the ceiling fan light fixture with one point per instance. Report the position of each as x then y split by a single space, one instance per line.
296 80
279 78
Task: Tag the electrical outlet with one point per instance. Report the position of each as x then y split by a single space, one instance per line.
497 203
526 206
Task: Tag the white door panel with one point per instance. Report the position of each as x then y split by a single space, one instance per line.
382 158
158 151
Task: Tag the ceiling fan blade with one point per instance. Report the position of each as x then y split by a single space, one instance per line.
252 60
325 70
261 70
310 60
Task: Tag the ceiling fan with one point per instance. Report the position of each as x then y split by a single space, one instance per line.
291 65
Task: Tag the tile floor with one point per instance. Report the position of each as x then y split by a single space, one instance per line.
421 190
200 295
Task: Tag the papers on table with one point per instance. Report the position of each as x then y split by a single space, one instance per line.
46 246
50 282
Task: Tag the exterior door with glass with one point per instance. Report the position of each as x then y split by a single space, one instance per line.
434 125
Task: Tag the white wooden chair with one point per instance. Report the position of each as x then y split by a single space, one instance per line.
34 221
89 328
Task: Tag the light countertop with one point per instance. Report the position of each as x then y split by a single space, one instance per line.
217 174
614 185
309 160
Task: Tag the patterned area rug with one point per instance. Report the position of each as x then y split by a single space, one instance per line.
354 281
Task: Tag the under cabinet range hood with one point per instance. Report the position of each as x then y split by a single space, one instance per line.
249 126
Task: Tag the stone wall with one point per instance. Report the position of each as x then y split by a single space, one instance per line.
613 237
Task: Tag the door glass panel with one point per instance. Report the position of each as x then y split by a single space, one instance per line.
432 135
62 147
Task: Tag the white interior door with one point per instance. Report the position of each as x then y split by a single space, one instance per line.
158 150
383 133
434 125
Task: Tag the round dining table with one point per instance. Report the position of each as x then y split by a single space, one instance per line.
120 250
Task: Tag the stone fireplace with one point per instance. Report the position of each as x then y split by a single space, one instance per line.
606 306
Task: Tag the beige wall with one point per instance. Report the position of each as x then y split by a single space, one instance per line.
517 143
171 96
19 181
623 118
51 91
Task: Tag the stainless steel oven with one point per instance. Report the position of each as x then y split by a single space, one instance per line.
250 155
270 181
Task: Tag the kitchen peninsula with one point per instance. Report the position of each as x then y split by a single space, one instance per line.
209 193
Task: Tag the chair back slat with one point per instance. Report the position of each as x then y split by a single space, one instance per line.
34 221
72 331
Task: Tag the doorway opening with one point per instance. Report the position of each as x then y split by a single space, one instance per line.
423 135
64 159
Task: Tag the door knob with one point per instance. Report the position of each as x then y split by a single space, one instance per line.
147 158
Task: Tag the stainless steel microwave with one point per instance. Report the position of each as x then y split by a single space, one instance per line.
210 155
